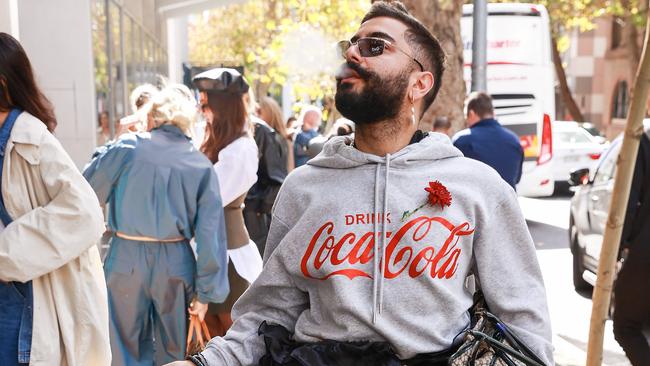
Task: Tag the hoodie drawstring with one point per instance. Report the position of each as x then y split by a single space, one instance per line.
379 247
383 238
375 249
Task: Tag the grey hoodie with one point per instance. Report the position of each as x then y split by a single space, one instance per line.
321 278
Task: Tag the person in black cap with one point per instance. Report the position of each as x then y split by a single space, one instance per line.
230 147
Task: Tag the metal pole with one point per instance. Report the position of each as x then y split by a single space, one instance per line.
125 77
479 46
111 82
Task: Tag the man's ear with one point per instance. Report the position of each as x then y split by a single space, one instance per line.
422 85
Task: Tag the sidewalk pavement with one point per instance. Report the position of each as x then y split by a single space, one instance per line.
572 352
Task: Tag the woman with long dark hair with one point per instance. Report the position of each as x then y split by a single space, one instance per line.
269 111
53 307
229 145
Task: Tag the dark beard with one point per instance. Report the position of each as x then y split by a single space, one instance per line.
379 100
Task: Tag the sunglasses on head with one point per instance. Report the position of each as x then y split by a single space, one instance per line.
371 47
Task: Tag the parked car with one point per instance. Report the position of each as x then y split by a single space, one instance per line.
593 131
573 148
589 211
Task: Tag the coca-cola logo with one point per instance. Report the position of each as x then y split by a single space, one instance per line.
411 250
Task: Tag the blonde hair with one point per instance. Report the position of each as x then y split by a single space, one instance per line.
141 95
176 106
276 121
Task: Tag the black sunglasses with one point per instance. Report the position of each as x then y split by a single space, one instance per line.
371 47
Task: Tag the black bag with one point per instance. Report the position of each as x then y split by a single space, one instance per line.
489 342
283 350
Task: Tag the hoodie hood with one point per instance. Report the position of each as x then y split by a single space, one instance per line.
339 153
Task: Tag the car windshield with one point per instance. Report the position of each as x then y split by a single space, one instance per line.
593 131
607 163
570 137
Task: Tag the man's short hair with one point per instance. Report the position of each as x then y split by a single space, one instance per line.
426 47
481 104
441 123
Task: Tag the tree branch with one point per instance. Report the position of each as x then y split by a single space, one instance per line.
567 97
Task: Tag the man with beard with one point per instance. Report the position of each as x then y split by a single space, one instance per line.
371 241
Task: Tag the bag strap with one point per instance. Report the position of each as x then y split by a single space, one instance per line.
509 350
480 305
513 338
206 332
190 335
197 329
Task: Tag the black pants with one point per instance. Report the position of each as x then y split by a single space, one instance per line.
257 225
632 310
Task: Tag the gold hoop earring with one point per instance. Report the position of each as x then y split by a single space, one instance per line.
413 119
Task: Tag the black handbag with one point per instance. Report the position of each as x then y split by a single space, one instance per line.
489 342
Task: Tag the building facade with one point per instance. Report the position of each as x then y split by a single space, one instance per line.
600 71
89 54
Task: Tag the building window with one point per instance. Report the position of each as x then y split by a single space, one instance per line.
617 32
621 100
125 55
117 58
100 56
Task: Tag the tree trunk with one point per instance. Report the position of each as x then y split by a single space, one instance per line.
442 18
567 97
620 195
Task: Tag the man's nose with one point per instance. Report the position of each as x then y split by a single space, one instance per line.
353 54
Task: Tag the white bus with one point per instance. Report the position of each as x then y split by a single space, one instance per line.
521 80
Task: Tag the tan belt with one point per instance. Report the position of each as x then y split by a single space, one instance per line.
147 239
236 232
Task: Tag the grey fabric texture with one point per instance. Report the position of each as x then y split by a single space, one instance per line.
327 276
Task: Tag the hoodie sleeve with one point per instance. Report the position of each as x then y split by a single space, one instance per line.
503 251
273 298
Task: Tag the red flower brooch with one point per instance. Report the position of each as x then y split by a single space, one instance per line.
438 196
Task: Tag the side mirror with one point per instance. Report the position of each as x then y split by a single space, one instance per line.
579 177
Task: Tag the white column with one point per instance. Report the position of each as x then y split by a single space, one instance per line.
178 50
9 17
57 38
